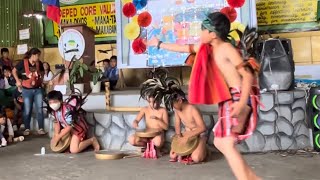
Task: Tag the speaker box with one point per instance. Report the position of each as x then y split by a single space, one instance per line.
314 116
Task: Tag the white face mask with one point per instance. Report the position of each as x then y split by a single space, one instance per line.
55 106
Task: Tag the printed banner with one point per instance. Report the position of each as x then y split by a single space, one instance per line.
100 17
286 11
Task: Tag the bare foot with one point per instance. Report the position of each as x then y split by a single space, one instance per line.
95 144
253 176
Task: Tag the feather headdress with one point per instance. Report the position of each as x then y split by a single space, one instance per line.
159 86
245 45
174 94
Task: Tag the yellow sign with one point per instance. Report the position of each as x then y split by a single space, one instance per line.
100 17
286 11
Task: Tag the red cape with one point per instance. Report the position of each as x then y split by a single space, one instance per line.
207 85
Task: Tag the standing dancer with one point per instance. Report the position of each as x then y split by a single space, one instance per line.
220 76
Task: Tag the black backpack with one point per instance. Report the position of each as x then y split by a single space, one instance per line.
277 65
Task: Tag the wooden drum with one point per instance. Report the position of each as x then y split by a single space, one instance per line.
109 155
148 133
186 149
62 145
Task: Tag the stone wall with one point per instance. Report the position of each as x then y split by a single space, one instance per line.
114 129
282 123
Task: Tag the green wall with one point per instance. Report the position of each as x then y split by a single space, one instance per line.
12 20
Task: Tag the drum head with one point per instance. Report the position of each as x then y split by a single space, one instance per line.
62 145
184 150
148 133
110 154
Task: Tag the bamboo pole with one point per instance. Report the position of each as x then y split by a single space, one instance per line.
108 100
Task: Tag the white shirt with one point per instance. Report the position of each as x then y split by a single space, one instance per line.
6 84
49 77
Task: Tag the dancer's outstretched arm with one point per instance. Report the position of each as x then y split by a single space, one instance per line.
173 47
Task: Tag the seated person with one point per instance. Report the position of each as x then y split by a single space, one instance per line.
106 65
65 123
18 108
9 81
156 117
5 96
112 73
4 60
191 118
6 130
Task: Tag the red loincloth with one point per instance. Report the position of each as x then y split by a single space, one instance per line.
226 122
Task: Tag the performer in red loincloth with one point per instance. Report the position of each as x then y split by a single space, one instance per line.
221 76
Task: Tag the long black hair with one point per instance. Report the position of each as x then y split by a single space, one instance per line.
31 52
221 24
49 69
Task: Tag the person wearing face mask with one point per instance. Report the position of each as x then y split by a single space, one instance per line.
32 73
65 123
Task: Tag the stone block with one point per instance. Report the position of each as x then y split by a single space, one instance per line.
284 111
117 131
286 141
103 119
284 97
208 108
105 140
285 126
300 103
300 128
272 143
118 120
90 118
266 128
256 142
269 116
302 141
130 132
117 141
211 138
99 130
299 94
267 99
243 147
129 118
209 121
298 115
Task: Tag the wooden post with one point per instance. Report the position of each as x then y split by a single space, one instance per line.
121 83
108 100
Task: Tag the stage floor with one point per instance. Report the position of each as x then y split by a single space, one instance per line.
19 162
